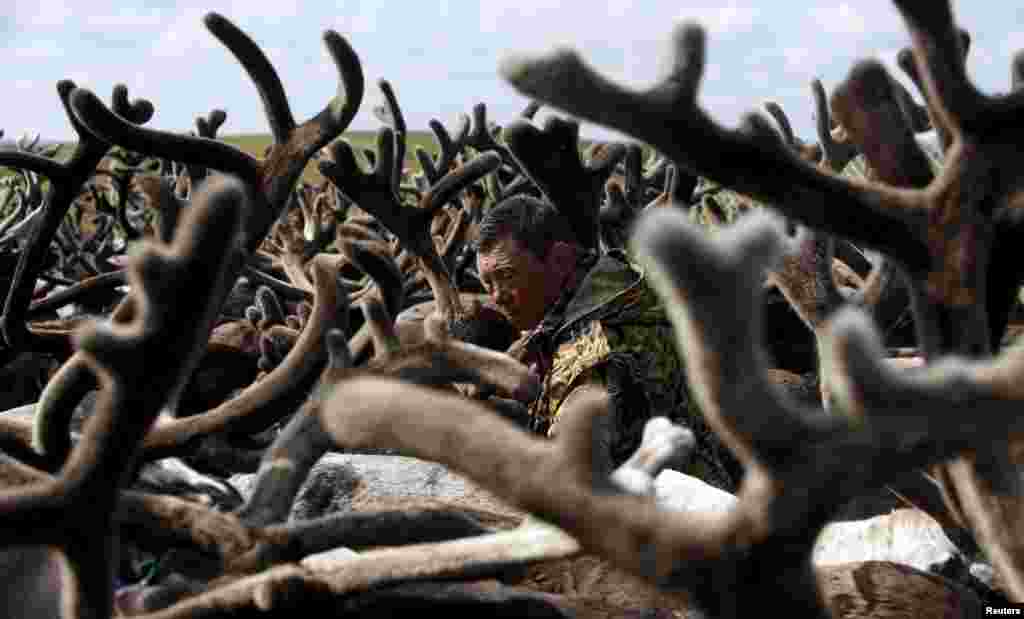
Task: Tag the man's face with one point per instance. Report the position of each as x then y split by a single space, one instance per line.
520 283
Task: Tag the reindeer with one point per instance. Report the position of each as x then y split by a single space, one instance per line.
802 463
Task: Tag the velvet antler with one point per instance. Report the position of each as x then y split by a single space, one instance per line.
270 181
551 158
141 365
752 161
65 180
274 177
800 463
945 236
391 115
206 127
449 149
281 392
905 59
374 192
868 107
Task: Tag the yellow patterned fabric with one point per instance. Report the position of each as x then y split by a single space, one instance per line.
614 333
572 360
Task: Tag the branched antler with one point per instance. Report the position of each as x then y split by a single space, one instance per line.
274 177
280 392
141 365
391 115
750 161
806 151
799 462
255 538
945 236
867 106
206 127
244 546
834 153
374 193
271 180
65 180
449 149
383 272
551 158
482 135
286 464
259 406
904 225
905 59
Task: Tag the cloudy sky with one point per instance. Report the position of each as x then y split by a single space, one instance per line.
441 56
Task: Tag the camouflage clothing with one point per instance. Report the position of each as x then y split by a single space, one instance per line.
718 206
611 330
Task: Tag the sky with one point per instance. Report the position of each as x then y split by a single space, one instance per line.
442 56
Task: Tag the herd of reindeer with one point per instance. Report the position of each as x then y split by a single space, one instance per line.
846 309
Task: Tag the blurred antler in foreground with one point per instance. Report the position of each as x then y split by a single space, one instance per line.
953 238
141 364
800 463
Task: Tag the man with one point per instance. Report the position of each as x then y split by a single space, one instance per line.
590 320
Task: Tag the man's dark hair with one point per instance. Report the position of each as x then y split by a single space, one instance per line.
534 223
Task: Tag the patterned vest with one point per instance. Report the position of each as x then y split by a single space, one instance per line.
611 328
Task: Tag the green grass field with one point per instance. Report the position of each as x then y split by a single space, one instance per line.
256 144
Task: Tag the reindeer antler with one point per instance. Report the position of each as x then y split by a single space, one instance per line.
905 59
374 193
835 154
868 107
391 115
271 181
449 149
141 365
206 127
551 158
740 156
942 235
294 144
65 180
280 392
483 133
795 458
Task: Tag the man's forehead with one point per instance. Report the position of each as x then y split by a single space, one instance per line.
506 249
